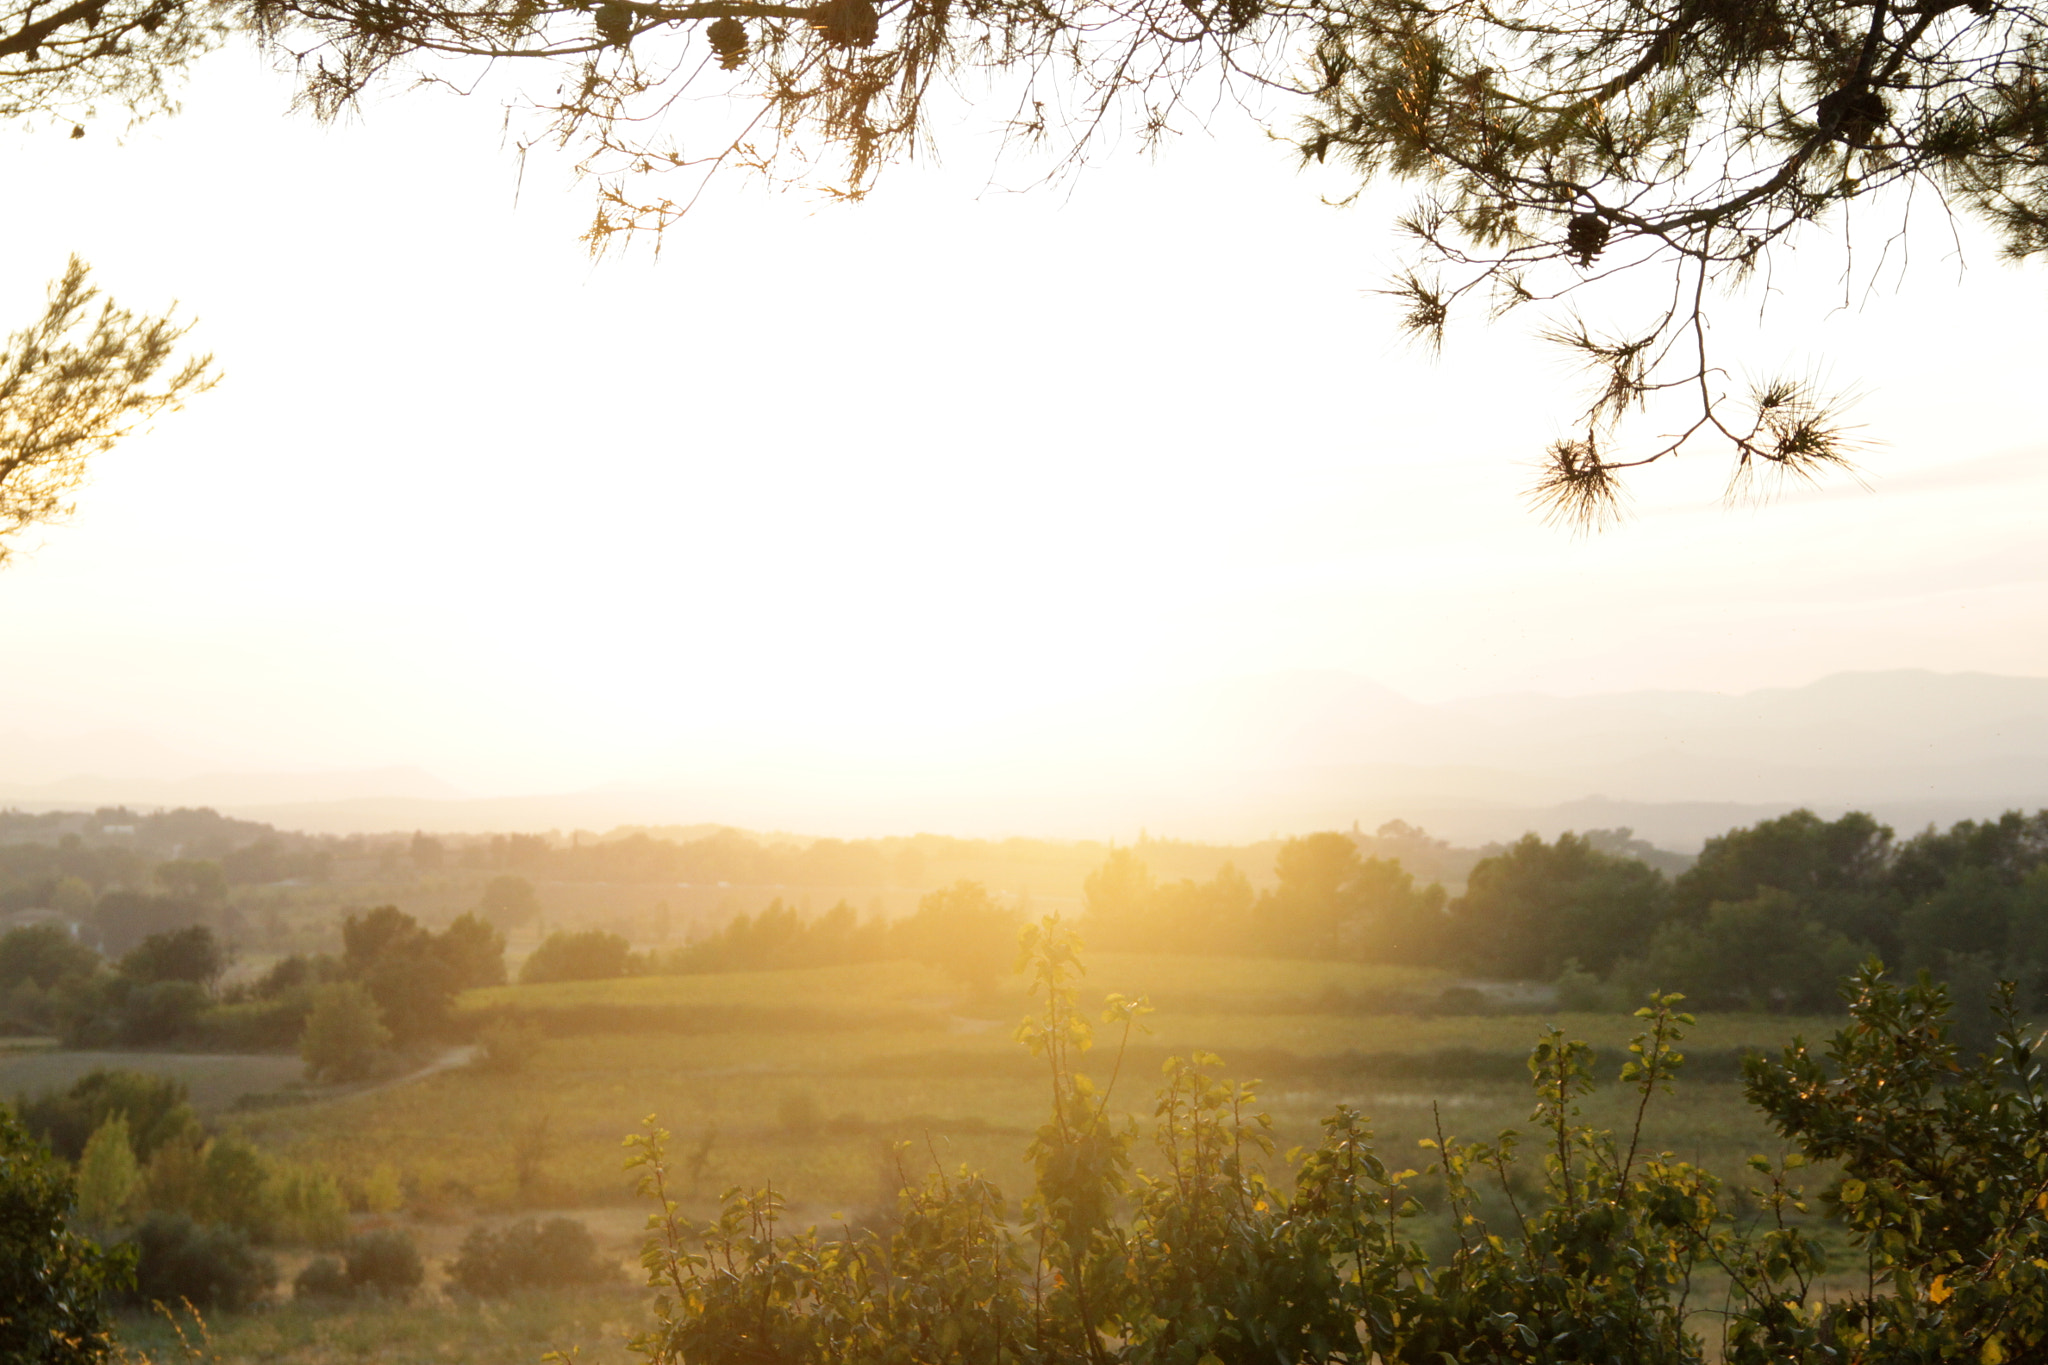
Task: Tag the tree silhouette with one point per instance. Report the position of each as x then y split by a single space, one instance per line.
1560 147
74 384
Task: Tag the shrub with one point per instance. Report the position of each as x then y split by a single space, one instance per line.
592 955
507 1045
344 1033
24 1008
384 1262
109 1177
526 1255
1581 992
509 901
175 1179
306 1206
233 1186
213 1267
383 1192
254 1025
288 976
962 931
474 950
323 1278
155 1107
85 1010
191 955
1762 953
43 954
162 1012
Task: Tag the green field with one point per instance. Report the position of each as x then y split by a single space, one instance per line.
810 1078
831 1083
591 1329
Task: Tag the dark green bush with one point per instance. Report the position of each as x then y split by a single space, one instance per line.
254 1025
384 1262
592 955
44 954
191 954
155 1106
52 1281
213 1267
529 1255
507 1045
163 1012
324 1277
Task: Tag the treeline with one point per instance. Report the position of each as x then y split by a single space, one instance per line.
393 986
65 860
730 856
186 832
1524 905
152 995
1772 916
116 848
1328 900
1775 914
1768 916
120 876
961 929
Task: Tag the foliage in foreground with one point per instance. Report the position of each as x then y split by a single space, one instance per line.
51 1280
1596 1254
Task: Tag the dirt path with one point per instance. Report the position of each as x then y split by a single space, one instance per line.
447 1061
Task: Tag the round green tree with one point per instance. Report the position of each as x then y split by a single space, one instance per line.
344 1033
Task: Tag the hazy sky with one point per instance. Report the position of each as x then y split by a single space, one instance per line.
848 479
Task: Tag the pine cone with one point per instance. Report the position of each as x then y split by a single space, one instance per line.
728 38
615 24
1586 237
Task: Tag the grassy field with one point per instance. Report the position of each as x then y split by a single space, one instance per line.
814 1080
810 1078
590 1328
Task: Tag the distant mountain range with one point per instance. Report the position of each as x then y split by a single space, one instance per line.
1855 736
120 767
1241 758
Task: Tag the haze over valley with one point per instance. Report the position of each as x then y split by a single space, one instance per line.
1232 759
